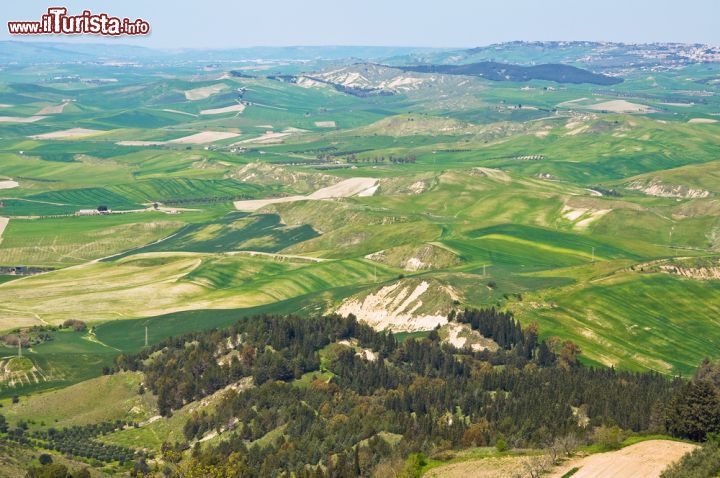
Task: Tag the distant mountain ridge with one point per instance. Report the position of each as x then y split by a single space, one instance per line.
372 79
495 71
48 52
598 56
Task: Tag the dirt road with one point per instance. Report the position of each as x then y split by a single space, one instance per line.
643 460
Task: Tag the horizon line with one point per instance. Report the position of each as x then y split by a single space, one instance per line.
120 42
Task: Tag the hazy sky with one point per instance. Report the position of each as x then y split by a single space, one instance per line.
446 23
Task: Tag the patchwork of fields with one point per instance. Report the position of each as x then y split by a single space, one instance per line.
183 200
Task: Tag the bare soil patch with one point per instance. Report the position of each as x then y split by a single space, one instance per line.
349 187
197 138
20 119
3 224
570 102
620 106
325 124
53 110
168 110
369 191
238 108
140 143
643 460
461 335
204 137
583 216
500 467
204 92
8 184
269 137
702 121
396 307
495 174
251 205
68 133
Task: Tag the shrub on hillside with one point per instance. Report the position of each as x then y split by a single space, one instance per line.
75 324
476 434
54 470
609 438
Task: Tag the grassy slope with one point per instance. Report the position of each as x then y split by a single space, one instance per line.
632 320
106 398
16 458
144 285
69 358
509 220
74 240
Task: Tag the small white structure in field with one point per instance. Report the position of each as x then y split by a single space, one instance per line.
92 212
87 212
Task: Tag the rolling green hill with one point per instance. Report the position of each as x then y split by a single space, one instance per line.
519 194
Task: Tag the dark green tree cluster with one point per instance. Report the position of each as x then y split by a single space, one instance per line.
268 348
424 392
694 411
499 326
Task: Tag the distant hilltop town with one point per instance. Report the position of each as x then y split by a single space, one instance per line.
663 52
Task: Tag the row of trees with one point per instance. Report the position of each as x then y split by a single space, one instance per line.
409 159
77 441
56 470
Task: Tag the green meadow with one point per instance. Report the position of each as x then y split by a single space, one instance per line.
515 195
633 321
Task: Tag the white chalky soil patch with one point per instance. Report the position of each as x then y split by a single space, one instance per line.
349 187
394 307
238 108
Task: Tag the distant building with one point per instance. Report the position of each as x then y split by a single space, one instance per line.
87 212
92 212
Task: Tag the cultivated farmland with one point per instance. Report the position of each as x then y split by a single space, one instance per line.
493 227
